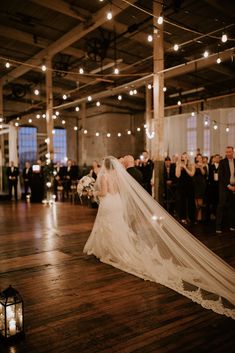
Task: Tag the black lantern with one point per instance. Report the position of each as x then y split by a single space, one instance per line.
11 314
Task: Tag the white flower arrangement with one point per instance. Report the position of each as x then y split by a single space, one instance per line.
85 185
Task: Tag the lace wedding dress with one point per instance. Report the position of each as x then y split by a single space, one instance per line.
135 234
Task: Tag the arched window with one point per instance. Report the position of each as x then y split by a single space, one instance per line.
27 140
60 144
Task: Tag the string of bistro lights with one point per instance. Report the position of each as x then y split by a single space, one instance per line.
160 20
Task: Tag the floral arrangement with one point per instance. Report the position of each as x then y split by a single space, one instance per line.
85 185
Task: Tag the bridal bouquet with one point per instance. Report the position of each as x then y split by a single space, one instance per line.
85 185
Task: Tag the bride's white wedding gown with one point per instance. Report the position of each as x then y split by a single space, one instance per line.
133 233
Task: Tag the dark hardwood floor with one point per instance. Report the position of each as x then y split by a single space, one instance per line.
74 303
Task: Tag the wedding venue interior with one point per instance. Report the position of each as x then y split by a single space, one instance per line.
150 82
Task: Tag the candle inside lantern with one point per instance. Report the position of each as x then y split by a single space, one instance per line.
10 313
12 327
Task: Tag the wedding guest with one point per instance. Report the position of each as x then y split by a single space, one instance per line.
199 179
213 195
185 189
146 167
27 178
12 174
70 174
129 164
94 170
169 181
226 190
38 181
58 173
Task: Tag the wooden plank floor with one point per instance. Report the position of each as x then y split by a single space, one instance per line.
74 303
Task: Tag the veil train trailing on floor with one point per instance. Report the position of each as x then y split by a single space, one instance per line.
135 234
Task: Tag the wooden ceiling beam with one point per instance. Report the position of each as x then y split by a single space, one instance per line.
63 42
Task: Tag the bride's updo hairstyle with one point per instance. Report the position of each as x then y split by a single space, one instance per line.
108 164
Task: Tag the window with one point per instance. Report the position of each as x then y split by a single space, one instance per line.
27 140
191 134
60 145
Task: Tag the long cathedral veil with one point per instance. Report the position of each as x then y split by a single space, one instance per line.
163 251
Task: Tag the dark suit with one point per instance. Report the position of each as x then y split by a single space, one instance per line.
226 197
136 174
169 189
69 174
12 174
146 169
213 189
27 178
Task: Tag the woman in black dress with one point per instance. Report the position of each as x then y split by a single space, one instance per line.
199 185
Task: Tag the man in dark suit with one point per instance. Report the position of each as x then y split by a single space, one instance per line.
146 167
169 180
12 174
69 175
129 164
27 178
226 190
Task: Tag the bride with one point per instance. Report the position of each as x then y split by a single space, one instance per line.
135 234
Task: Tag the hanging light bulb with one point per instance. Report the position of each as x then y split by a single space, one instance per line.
215 125
164 89
227 129
149 86
160 20
119 134
16 124
206 122
53 132
1 120
89 98
218 60
85 131
64 96
138 129
116 71
43 67
109 15
77 109
75 128
98 104
97 134
206 54
44 116
38 116
129 132
131 92
179 102
36 92
81 71
7 65
193 114
176 47
119 97
57 113
224 38
135 91
30 120
145 126
108 134
54 116
63 122
150 38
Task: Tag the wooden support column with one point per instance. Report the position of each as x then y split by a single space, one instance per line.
158 102
1 139
49 109
148 117
82 142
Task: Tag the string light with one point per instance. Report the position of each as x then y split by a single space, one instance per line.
64 97
1 126
81 71
224 38
129 132
145 126
1 120
63 122
89 98
164 89
53 132
206 122
36 92
179 102
150 135
108 134
97 134
227 129
135 91
7 65
43 67
160 20
98 104
119 134
215 125
30 120
54 116
116 71
38 116
176 47
138 129
77 109
44 116
119 97
85 132
131 92
150 38
57 113
206 54
193 114
218 60
109 15
16 124
149 86
75 128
